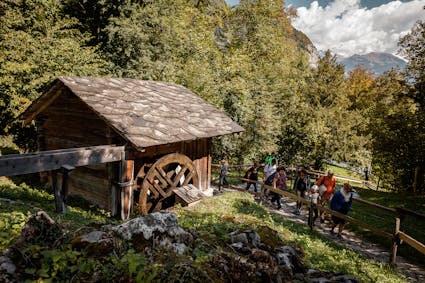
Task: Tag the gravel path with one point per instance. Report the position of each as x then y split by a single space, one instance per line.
413 273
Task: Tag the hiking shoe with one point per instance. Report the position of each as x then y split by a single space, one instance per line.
333 234
339 237
279 206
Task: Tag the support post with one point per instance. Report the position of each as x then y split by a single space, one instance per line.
66 170
395 243
126 176
59 205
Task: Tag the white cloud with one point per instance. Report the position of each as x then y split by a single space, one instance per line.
346 28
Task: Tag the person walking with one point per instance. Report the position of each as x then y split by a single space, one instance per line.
314 197
269 169
252 174
328 183
301 186
223 173
341 202
279 182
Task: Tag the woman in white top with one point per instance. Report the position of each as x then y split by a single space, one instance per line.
269 169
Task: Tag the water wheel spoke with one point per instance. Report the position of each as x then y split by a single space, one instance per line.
162 192
188 178
154 191
164 182
178 177
164 175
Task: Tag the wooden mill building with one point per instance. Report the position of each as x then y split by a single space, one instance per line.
166 130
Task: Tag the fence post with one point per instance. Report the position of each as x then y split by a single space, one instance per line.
310 215
395 242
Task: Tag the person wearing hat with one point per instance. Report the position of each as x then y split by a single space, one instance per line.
341 202
329 182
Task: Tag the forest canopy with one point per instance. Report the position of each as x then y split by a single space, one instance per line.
247 60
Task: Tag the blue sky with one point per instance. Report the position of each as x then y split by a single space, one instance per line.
348 27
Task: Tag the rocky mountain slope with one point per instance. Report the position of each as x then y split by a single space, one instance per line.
378 62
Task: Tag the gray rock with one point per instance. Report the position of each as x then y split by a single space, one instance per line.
160 227
6 265
236 237
245 237
152 225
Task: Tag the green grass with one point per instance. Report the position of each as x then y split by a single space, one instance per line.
385 220
219 215
30 199
379 218
212 219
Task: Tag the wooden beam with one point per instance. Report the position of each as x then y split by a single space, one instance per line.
19 164
412 242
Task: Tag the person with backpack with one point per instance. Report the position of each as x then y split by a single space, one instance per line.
301 186
278 181
328 182
341 202
252 174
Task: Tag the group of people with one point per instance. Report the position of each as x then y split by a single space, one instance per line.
323 192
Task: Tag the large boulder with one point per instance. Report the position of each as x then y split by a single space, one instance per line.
158 228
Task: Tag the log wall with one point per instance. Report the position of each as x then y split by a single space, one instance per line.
68 123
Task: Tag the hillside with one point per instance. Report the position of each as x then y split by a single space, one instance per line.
226 238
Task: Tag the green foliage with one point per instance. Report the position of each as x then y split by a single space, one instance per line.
246 60
38 43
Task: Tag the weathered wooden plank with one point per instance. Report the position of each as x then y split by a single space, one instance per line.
412 242
47 161
188 194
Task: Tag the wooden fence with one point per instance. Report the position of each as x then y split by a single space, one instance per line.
397 237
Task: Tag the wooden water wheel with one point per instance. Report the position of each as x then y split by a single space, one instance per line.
167 173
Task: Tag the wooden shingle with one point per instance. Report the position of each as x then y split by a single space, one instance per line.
146 113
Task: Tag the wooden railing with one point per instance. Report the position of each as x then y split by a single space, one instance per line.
397 238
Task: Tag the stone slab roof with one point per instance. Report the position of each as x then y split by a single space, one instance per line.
146 113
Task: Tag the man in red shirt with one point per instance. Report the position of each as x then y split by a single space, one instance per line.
329 182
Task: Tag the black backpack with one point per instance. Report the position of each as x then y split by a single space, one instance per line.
269 180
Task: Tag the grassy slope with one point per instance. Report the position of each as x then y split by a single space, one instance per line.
377 217
213 219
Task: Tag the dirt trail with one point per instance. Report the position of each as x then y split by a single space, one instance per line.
413 273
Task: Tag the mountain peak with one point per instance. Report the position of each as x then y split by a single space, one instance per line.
378 62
